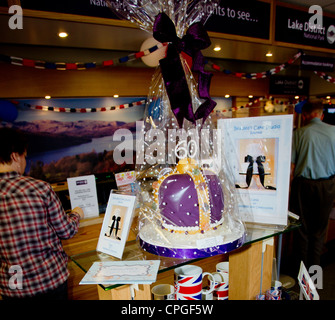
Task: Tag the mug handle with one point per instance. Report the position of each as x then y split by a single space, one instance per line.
212 283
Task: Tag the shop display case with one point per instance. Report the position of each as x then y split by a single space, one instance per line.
247 265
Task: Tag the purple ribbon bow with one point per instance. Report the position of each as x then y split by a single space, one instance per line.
195 39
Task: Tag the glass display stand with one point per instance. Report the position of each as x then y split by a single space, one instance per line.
249 265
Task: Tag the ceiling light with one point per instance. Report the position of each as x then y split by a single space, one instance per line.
227 96
328 97
296 97
217 48
115 95
269 54
250 96
47 97
62 34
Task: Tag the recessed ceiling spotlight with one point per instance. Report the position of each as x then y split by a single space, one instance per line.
269 54
47 97
227 96
63 34
115 95
217 48
250 96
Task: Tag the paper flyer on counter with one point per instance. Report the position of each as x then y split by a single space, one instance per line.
83 194
258 152
116 224
122 272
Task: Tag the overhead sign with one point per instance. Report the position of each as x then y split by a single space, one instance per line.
285 85
293 26
315 63
243 18
92 8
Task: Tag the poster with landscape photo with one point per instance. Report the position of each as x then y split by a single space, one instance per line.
75 143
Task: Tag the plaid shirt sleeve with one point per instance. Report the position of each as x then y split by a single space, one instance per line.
66 226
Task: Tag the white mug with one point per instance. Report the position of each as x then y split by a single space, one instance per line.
188 283
162 292
222 267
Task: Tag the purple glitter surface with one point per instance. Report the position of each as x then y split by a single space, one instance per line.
179 203
178 200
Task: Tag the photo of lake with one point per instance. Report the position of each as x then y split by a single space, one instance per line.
69 144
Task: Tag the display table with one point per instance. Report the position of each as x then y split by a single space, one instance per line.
249 266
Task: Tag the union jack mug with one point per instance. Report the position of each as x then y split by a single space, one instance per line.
220 286
188 283
223 268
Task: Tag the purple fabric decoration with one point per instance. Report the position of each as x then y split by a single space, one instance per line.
196 39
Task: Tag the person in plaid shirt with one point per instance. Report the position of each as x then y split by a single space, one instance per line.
33 263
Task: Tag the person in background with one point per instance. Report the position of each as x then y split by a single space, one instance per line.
313 182
33 263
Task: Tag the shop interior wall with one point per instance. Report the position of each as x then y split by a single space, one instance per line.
26 82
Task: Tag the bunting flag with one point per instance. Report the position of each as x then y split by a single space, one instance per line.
77 65
257 75
84 110
324 76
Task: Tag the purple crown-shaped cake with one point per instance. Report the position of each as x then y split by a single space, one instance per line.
190 199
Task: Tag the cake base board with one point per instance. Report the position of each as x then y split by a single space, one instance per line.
188 249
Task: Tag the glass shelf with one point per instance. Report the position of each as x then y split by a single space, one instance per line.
133 251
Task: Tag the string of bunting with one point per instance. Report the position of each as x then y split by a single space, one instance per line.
77 65
325 76
84 110
257 75
108 63
250 104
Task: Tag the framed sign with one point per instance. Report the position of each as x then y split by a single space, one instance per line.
83 194
307 286
116 224
258 151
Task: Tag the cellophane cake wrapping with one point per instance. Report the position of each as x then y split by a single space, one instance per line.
186 197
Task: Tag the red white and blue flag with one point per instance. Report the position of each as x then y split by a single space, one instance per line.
221 291
188 288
